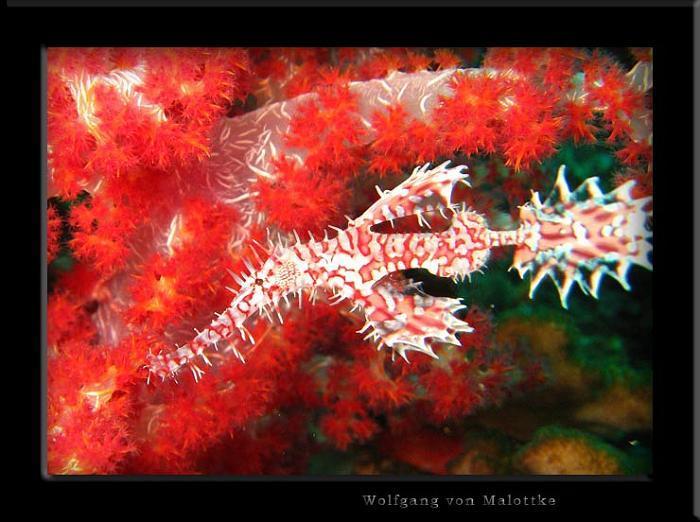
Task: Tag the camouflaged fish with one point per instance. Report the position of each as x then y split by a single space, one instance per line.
573 237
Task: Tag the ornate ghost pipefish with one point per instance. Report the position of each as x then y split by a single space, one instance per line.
573 237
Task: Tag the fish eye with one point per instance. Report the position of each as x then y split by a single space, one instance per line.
259 282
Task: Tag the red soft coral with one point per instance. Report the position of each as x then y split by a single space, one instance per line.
400 142
54 224
634 153
158 111
446 59
301 199
348 422
578 121
613 94
530 129
88 407
67 320
467 121
330 130
453 391
99 231
171 286
380 382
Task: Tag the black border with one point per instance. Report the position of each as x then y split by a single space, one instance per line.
343 3
668 30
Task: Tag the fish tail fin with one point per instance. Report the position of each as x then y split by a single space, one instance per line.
580 236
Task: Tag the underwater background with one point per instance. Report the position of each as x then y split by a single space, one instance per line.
166 166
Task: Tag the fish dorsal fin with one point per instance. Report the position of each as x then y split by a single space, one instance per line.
425 190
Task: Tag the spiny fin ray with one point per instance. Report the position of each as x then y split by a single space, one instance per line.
425 190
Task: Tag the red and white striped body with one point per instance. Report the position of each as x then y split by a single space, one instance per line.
353 266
